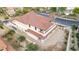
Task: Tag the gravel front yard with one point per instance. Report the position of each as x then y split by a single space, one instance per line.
55 41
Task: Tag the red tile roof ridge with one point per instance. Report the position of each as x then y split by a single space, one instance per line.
33 19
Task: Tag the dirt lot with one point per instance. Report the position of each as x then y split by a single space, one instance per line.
54 41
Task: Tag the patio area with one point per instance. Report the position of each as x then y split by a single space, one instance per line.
54 41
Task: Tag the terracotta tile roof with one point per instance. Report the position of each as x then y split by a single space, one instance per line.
35 33
36 20
5 45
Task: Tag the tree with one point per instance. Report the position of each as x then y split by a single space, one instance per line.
18 12
9 35
77 35
21 38
9 38
78 43
1 26
11 32
61 9
32 47
73 48
53 9
6 17
37 9
26 9
76 10
74 27
15 45
3 11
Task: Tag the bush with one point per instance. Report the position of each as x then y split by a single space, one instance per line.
1 26
73 48
15 46
9 38
77 35
76 10
6 17
11 32
18 12
32 47
73 41
72 15
78 44
21 38
65 42
26 10
74 27
72 36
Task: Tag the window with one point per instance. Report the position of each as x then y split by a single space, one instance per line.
35 28
29 25
41 30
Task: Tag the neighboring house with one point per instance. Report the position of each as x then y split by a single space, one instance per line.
10 11
69 11
35 25
5 46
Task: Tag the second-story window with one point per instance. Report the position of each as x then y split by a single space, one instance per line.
35 28
29 25
41 30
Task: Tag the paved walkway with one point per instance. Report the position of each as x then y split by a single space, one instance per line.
69 40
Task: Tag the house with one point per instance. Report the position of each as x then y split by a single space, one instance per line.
5 46
35 25
69 10
10 11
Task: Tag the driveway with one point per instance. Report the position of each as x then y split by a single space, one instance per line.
54 41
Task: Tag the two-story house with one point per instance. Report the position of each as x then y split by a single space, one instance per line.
35 25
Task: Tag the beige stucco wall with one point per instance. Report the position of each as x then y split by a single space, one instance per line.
24 27
20 26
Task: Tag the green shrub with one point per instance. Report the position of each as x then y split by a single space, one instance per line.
1 26
77 35
32 47
6 17
21 38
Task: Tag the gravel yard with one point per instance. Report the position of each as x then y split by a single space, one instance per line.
54 41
